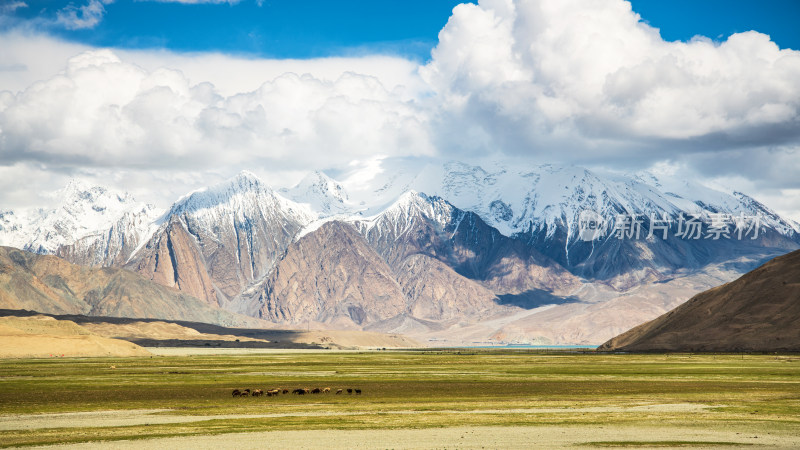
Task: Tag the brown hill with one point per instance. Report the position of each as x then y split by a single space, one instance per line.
50 284
169 333
758 312
42 336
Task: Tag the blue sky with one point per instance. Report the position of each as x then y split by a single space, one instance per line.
164 96
273 29
718 19
320 28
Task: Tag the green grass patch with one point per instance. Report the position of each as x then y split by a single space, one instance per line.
758 393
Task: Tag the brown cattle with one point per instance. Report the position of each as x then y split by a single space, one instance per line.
358 391
326 390
349 391
339 391
236 393
285 391
257 393
316 391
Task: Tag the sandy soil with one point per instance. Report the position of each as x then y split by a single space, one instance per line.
521 437
160 416
191 334
157 330
43 337
546 436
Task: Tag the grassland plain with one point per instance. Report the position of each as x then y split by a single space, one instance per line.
672 400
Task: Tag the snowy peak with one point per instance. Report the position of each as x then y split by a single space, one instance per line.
11 226
322 194
405 212
79 199
518 199
411 204
244 196
83 211
770 217
243 184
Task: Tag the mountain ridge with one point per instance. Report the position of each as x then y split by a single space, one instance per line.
516 246
50 284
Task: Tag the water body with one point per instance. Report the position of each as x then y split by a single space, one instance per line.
534 347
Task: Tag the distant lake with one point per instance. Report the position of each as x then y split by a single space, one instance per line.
524 346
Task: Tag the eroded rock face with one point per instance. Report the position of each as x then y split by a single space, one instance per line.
332 276
50 284
173 259
434 291
421 225
221 240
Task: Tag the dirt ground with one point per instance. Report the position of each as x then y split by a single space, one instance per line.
520 437
161 416
29 335
42 337
546 436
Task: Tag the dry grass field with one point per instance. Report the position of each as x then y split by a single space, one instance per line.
409 399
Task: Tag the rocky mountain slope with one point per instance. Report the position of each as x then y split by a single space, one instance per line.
50 284
329 276
216 242
417 224
543 205
758 312
497 253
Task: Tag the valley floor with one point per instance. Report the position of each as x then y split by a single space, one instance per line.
410 399
518 437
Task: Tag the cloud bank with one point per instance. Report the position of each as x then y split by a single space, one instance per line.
591 76
104 112
569 81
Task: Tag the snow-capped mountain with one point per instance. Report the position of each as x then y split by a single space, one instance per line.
92 225
244 223
542 205
517 199
433 243
321 194
216 241
418 224
11 229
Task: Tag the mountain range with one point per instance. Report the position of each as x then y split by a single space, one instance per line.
448 253
47 283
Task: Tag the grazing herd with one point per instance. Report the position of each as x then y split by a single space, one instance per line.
300 391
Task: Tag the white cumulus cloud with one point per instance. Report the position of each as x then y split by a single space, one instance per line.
568 81
530 74
103 111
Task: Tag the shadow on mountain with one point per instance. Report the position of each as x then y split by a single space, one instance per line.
210 343
534 298
276 338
